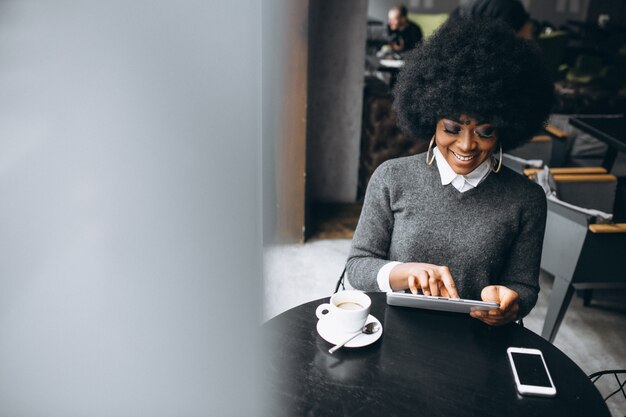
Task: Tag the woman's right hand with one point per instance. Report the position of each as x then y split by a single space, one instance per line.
430 279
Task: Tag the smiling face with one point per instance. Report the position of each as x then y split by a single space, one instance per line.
465 143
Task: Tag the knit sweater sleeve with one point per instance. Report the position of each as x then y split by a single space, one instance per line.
370 244
521 271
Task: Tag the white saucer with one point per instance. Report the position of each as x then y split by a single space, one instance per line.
329 333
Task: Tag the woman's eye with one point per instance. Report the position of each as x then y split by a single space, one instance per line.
487 133
451 129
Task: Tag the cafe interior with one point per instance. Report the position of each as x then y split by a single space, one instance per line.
334 133
181 178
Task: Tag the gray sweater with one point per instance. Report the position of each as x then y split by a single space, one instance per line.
491 234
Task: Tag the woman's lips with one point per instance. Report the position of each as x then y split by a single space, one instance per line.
463 158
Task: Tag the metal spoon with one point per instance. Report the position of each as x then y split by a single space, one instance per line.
369 328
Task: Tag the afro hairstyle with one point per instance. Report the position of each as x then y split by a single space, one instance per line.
478 68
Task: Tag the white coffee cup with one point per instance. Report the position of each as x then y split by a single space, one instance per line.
348 310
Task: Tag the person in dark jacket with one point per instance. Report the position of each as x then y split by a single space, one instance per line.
403 33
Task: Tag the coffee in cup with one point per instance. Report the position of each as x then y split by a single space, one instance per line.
349 305
348 310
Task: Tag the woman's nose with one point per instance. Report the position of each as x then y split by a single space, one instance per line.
466 141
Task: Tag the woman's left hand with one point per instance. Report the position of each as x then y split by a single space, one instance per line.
507 312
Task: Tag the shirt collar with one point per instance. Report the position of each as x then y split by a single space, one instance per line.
448 175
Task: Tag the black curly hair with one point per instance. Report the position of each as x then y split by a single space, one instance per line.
478 68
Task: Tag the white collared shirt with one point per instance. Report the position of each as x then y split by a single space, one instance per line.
462 183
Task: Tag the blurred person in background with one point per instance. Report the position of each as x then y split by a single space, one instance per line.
403 33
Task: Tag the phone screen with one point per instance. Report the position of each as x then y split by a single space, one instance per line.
530 369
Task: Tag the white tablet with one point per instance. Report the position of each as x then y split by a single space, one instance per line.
456 305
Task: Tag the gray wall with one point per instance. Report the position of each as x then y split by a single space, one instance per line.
129 189
337 31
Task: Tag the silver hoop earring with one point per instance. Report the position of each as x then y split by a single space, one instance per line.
429 160
499 167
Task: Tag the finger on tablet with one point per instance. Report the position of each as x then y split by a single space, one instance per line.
423 276
412 280
448 281
433 283
443 290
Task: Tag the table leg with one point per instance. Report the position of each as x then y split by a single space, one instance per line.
560 298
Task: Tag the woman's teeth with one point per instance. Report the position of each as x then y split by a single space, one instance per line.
463 158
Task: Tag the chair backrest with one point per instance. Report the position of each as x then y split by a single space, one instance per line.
539 147
566 229
602 257
518 164
576 248
592 191
529 172
586 187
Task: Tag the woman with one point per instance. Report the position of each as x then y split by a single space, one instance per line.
454 221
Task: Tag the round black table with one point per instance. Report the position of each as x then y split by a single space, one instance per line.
426 363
